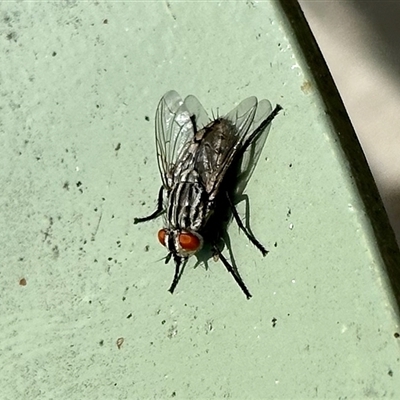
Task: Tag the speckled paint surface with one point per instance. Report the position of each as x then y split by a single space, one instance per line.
85 311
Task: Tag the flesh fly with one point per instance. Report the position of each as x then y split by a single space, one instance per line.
205 165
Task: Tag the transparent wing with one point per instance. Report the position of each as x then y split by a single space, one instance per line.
198 111
251 155
242 116
223 139
174 130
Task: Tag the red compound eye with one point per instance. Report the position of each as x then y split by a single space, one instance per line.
189 242
161 236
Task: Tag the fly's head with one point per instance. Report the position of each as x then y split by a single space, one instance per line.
180 243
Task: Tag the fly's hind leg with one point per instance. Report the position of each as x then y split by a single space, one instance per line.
156 213
246 229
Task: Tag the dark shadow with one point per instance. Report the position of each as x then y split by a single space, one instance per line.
384 17
217 239
392 205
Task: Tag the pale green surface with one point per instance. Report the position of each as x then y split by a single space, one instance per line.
90 280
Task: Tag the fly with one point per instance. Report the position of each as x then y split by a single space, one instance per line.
205 165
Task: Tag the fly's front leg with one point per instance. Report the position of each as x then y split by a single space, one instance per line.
157 212
179 267
246 229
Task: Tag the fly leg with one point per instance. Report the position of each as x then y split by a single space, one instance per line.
156 213
246 229
262 126
178 272
233 271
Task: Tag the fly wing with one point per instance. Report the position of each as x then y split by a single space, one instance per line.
242 116
174 132
223 139
197 111
248 161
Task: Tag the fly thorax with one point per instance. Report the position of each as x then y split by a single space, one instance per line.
187 205
178 242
